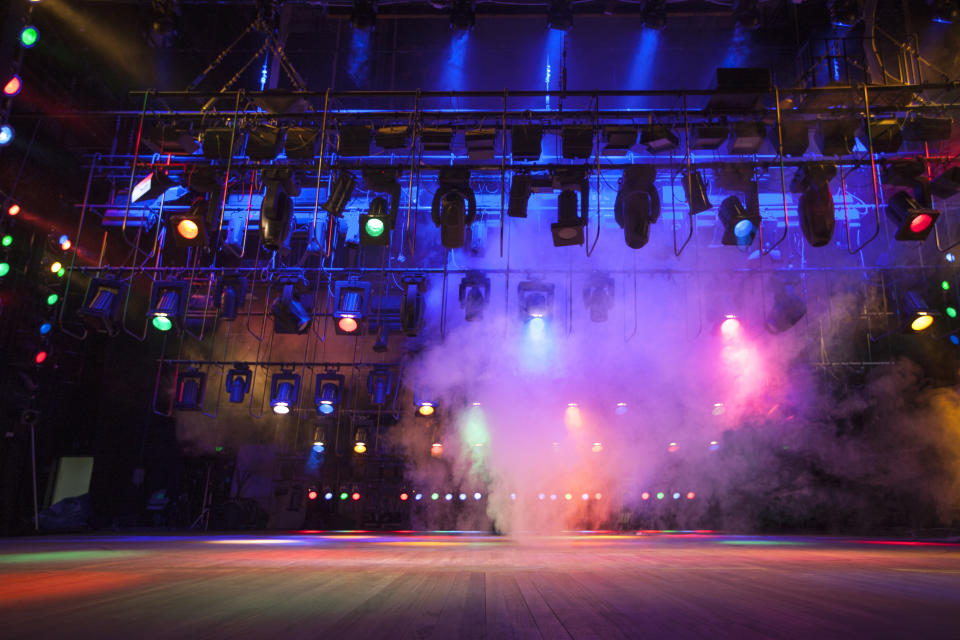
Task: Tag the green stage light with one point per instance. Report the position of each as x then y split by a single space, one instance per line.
162 323
7 240
52 299
29 36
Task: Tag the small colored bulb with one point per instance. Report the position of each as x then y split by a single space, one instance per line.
955 339
13 86
950 257
659 495
52 299
7 240
45 328
311 495
62 272
14 209
921 322
355 496
952 312
404 497
40 357
360 447
6 135
434 496
162 323
56 266
347 325
4 268
29 36
425 409
945 285
344 495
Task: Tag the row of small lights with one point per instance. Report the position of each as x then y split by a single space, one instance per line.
29 36
660 495
313 494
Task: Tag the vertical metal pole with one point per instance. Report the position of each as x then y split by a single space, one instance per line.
33 462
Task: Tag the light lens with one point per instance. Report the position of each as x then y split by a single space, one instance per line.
52 299
945 285
952 312
404 497
6 135
347 325
188 229
955 339
325 408
921 322
659 495
645 495
162 323
4 268
40 357
12 87
691 495
29 36
45 328
360 447
7 240
56 266
355 496
374 227
281 408
61 272
311 495
344 495
426 409
434 496
730 327
920 223
743 229
14 210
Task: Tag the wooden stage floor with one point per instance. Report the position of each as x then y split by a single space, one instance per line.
446 585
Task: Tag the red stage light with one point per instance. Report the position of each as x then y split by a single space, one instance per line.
312 495
404 497
691 495
14 209
40 357
12 87
355 496
188 229
920 223
347 325
645 495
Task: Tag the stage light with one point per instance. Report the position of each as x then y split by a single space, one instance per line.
312 495
535 299
788 309
950 257
191 386
41 357
230 292
660 495
12 87
101 308
658 138
621 408
521 187
916 313
951 312
168 304
264 143
284 391
747 137
645 495
290 316
454 206
739 226
955 340
477 496
344 495
340 193
618 140
153 186
746 13
815 206
568 496
448 497
14 210
436 449
718 409
191 227
844 13
474 295
328 496
29 36
730 327
378 385
568 229
793 134
434 496
7 240
413 307
426 409
462 497
541 496
363 14
355 496
654 14
913 221
462 15
637 205
328 392
676 495
404 497
4 268
673 447
55 266
6 135
597 447
835 136
52 299
944 285
276 209
65 243
943 11
560 15
352 298
713 446
598 296
238 382
695 192
418 497
319 441
45 328
886 135
376 224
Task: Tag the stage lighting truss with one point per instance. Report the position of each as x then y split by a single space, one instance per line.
916 314
191 228
301 143
328 392
598 296
238 380
340 193
454 206
379 382
101 308
284 391
914 221
352 302
815 205
793 134
276 209
474 295
380 219
191 386
535 299
168 304
290 316
413 307
393 137
637 205
154 185
230 293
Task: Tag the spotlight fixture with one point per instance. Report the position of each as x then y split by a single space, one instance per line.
886 134
191 385
216 142
301 143
708 137
521 187
654 14
290 316
284 391
454 206
192 227
658 138
276 210
526 141
413 306
568 229
151 187
13 210
425 408
378 385
363 14
560 15
264 142
618 139
101 308
577 141
598 296
395 137
319 441
916 314
844 13
375 225
481 143
695 191
328 392
535 299
353 299
29 36
913 221
747 137
360 443
238 382
462 15
835 136
230 292
815 206
740 226
168 304
637 204
746 13
788 309
438 139
793 134
474 295
340 193
943 11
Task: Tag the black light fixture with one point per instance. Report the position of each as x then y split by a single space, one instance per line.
740 225
216 142
815 206
231 290
788 309
618 139
658 138
480 143
191 228
462 15
913 220
363 14
793 134
598 296
376 224
521 188
535 299
328 392
695 191
637 205
378 385
577 141
352 301
844 13
654 14
393 137
264 142
454 206
340 193
746 13
943 11
560 15
238 382
276 210
886 133
438 139
413 306
151 187
301 143
284 391
474 295
191 386
526 141
290 316
708 137
101 309
747 137
354 140
947 184
568 229
168 304
835 136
